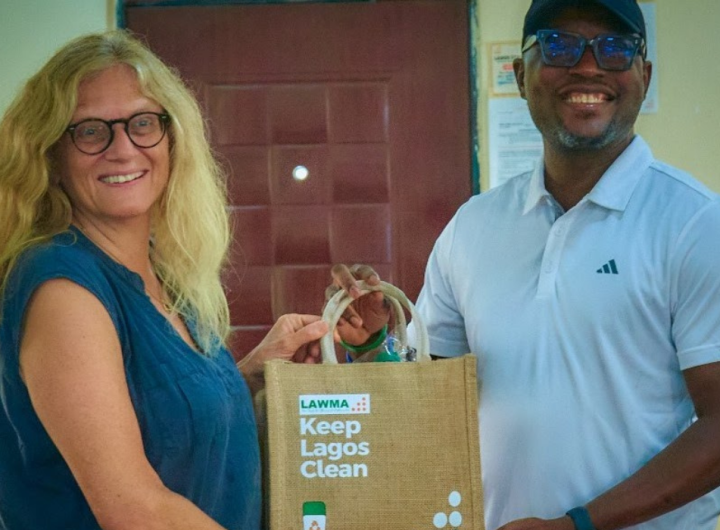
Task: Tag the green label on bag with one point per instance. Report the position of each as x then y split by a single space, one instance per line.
314 515
314 508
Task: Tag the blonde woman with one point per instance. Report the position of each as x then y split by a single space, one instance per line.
121 407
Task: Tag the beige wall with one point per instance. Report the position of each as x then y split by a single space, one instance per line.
31 30
685 132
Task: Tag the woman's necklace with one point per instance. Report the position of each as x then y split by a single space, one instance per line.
166 306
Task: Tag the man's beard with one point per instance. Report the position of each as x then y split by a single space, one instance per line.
567 141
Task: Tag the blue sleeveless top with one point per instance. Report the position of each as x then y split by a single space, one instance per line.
195 412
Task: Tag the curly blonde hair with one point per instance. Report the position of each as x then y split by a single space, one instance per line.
190 227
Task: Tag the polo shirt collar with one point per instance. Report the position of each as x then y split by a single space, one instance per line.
615 187
536 189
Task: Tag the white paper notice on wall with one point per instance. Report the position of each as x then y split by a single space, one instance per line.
515 144
651 103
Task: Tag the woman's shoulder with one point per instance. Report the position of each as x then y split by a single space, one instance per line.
62 256
65 256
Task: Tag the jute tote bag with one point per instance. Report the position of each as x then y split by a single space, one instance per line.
373 445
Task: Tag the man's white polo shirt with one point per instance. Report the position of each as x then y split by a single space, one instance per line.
582 323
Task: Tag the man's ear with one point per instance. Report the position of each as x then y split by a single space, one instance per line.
647 75
519 68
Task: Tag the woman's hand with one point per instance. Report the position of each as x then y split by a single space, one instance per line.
368 314
294 338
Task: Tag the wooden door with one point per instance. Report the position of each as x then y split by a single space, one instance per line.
372 99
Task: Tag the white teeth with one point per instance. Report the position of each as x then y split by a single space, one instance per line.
586 98
120 179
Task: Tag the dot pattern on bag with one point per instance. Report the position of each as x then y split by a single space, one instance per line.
360 406
442 519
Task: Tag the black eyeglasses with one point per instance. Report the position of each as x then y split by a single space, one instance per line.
145 130
561 48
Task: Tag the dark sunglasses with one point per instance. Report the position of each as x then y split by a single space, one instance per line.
561 48
93 136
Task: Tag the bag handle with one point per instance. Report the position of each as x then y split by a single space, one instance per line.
338 303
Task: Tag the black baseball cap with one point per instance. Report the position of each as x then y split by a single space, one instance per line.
542 12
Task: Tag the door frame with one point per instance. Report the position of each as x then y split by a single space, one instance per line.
472 55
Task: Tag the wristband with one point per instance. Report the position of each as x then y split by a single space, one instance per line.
371 345
581 518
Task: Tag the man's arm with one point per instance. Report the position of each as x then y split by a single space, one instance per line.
686 469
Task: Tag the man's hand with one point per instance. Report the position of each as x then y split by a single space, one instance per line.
368 313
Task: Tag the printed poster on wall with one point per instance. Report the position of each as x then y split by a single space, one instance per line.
502 55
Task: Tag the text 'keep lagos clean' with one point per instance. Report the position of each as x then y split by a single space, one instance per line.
323 458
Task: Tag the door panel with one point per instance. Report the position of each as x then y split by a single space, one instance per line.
372 98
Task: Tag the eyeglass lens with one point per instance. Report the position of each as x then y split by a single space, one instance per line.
612 52
93 136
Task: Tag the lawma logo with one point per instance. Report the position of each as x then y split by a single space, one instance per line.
316 404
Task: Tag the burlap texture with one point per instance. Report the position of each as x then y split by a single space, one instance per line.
421 453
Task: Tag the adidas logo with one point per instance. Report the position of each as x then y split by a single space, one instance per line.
608 268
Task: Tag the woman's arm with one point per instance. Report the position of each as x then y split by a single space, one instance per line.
71 362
